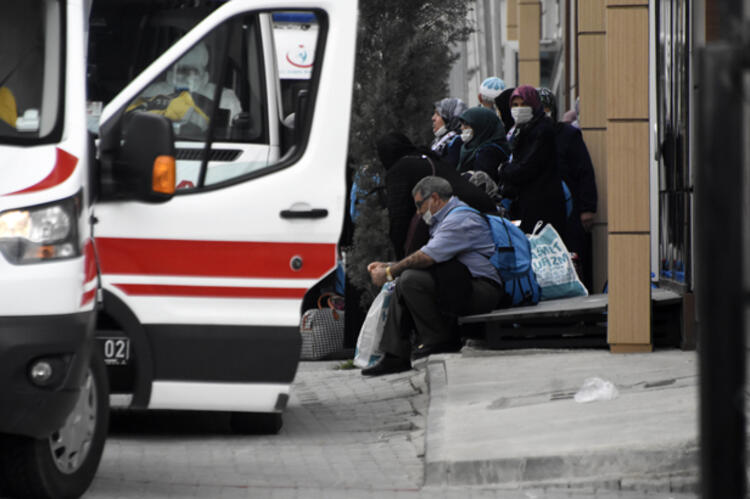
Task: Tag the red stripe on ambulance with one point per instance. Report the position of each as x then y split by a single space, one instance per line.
88 296
209 291
172 257
63 169
89 261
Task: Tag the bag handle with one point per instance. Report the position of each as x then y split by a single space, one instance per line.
424 156
329 302
537 228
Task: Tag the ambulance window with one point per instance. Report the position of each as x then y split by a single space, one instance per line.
245 89
31 34
284 82
209 72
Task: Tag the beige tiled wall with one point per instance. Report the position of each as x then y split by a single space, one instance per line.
629 320
628 176
627 53
592 66
529 22
512 19
629 316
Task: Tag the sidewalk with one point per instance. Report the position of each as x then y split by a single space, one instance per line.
508 418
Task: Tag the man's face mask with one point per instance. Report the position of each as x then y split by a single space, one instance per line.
426 216
187 78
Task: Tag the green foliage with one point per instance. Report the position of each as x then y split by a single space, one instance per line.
371 241
347 365
404 56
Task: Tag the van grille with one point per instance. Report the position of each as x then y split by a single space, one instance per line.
216 154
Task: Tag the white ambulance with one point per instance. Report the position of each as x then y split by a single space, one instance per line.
173 232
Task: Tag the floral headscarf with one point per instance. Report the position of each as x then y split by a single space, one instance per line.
548 99
451 109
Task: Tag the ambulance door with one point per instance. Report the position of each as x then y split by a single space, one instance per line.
215 276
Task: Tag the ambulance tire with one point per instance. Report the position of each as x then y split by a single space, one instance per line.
256 423
34 467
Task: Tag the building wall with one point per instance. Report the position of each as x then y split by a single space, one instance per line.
628 174
591 56
520 25
612 75
484 54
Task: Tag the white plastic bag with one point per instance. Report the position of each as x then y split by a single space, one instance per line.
366 353
594 389
553 266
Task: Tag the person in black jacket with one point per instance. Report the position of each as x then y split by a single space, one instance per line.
484 146
405 165
577 171
531 177
502 102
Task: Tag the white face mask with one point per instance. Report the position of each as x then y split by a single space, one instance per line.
440 131
467 134
427 217
522 114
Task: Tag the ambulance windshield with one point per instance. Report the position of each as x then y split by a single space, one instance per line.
31 33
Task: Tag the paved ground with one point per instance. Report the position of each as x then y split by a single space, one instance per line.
340 433
344 436
528 429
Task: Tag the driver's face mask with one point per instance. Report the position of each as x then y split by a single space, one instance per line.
187 78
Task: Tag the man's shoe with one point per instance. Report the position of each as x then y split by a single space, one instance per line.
424 350
388 365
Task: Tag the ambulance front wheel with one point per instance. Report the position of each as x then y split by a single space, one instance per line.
63 465
256 423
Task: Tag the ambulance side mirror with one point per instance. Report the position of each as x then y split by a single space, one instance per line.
148 156
141 165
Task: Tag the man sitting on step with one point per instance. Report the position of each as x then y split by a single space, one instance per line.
449 276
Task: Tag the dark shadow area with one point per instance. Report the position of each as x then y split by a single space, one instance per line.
133 423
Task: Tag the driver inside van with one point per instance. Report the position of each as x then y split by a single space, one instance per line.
8 111
186 95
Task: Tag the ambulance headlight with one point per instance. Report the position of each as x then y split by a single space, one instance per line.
41 233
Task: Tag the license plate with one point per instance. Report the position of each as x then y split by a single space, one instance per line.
116 350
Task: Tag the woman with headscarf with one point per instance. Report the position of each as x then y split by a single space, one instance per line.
531 176
446 126
484 146
406 164
577 171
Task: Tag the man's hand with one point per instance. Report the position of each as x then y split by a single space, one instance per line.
377 273
417 260
587 220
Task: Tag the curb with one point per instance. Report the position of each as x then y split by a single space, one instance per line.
600 471
649 470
